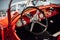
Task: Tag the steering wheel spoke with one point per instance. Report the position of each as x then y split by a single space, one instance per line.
32 25
41 24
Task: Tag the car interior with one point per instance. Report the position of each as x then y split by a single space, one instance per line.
30 20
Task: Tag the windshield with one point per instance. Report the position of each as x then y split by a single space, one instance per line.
55 1
4 3
20 6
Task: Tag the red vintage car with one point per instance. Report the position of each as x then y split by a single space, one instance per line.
11 33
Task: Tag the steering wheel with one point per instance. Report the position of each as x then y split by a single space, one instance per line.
38 21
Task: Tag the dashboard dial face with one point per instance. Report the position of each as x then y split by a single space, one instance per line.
18 24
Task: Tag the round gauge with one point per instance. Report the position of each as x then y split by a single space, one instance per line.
18 24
